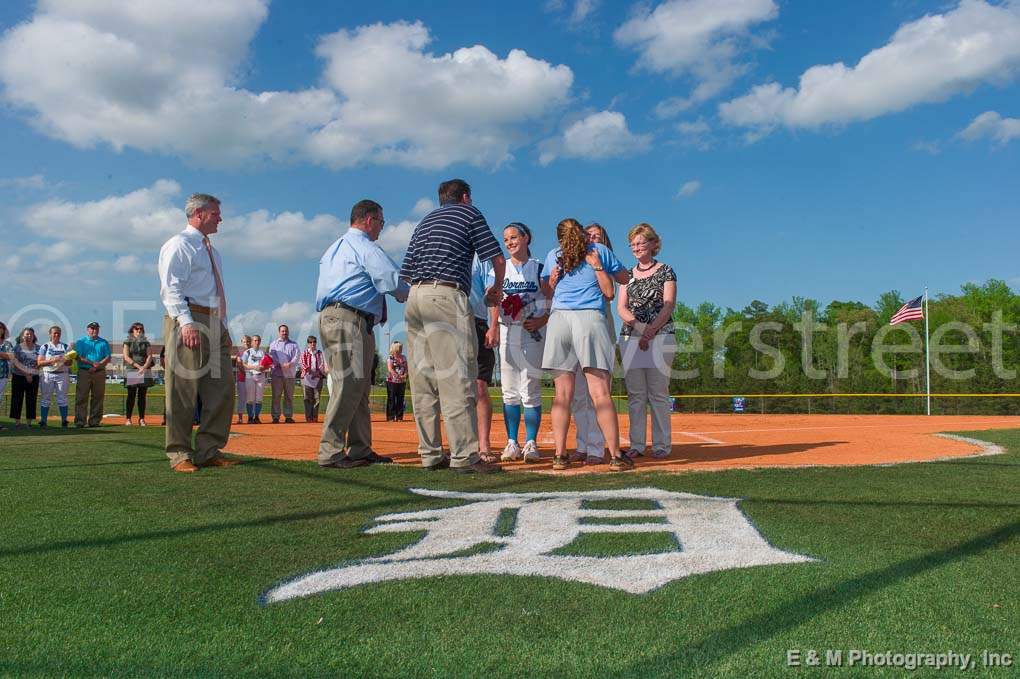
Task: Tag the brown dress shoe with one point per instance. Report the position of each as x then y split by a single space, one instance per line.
221 462
479 468
185 466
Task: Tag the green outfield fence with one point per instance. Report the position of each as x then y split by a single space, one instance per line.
760 403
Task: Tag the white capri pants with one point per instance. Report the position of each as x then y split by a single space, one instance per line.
255 386
54 382
520 366
241 398
589 436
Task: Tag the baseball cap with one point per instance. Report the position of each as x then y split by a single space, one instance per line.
93 324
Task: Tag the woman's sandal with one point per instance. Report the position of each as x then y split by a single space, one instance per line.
560 462
489 458
621 463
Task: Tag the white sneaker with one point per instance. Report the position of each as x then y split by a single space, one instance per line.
530 452
128 423
511 453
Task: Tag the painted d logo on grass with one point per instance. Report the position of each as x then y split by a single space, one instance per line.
531 533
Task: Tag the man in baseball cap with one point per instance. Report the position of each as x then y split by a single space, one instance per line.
93 356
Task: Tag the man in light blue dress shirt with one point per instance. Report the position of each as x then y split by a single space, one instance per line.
354 274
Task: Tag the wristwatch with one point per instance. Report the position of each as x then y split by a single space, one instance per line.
598 268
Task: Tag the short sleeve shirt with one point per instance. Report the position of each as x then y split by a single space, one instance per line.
644 299
25 359
579 289
443 244
53 350
5 366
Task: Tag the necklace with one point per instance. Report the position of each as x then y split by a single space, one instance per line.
647 268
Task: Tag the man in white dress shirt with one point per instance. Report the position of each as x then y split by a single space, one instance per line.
198 362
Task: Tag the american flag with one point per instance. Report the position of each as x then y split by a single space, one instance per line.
908 312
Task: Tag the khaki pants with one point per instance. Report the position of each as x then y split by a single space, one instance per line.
205 372
349 347
94 385
649 387
283 386
442 367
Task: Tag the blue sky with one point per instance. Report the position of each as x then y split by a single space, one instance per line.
828 150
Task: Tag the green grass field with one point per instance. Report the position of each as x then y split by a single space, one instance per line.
112 565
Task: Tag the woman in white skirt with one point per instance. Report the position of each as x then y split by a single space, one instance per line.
255 378
648 342
523 314
591 446
581 277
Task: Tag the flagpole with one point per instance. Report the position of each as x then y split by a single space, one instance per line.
927 354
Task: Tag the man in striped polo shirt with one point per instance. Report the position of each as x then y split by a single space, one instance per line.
442 361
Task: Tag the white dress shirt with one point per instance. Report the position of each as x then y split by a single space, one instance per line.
186 275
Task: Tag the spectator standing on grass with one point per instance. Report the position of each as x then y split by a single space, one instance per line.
25 381
137 360
90 388
441 333
355 274
55 377
6 356
581 275
396 383
487 337
313 372
240 387
647 342
198 344
285 354
254 378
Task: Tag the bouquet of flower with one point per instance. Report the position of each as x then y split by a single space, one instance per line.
266 363
512 306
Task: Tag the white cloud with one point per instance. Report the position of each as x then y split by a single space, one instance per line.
689 189
671 107
395 238
36 181
991 125
132 264
300 318
409 107
423 207
161 77
927 60
696 133
580 10
133 222
261 235
702 39
932 148
597 136
140 221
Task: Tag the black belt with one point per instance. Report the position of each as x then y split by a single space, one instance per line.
369 318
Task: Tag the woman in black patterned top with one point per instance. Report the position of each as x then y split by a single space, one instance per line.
647 342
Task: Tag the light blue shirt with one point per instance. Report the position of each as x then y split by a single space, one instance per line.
355 270
579 289
481 272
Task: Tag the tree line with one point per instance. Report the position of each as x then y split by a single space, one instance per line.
848 347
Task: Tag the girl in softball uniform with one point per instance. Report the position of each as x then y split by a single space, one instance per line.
55 377
581 275
255 378
522 318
